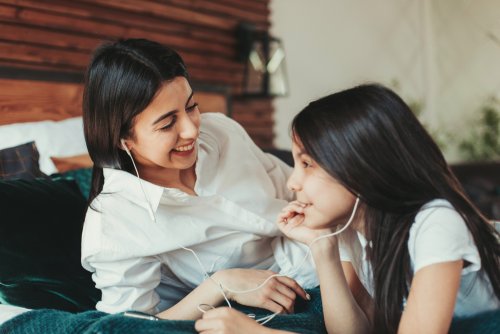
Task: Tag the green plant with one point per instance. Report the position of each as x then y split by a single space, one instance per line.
484 141
441 137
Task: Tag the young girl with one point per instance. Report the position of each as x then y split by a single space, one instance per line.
178 198
415 252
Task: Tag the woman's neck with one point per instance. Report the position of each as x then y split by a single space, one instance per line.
184 179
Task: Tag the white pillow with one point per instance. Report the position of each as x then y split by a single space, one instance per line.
8 312
53 139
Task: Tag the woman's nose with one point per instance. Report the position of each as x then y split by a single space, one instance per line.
187 128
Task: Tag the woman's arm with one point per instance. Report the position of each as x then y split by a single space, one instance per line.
277 295
341 310
430 304
187 309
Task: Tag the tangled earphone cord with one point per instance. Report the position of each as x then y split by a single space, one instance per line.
219 285
351 218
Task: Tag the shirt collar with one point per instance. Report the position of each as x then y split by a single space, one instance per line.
128 185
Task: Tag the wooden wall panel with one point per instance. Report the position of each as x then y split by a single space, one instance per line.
58 36
56 101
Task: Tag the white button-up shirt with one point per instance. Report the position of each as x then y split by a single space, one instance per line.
139 263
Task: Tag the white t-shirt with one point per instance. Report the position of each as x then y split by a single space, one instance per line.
439 234
139 263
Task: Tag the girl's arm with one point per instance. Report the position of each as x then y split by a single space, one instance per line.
341 310
224 320
362 297
430 304
345 301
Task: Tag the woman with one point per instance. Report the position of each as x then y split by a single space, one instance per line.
413 251
177 197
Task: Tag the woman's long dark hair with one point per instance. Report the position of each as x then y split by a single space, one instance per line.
369 140
121 81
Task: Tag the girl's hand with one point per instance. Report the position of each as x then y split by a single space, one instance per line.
277 295
225 320
290 222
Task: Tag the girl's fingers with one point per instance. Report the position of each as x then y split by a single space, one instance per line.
295 221
204 325
293 207
288 224
293 285
217 312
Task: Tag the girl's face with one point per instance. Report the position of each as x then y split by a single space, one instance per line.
328 202
165 133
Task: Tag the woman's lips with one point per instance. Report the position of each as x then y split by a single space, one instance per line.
185 152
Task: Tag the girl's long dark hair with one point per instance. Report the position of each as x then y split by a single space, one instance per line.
121 81
368 139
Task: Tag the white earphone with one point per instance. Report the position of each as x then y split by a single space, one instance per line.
150 208
201 307
124 146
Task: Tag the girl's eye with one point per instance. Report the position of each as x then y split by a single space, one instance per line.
305 164
191 108
169 125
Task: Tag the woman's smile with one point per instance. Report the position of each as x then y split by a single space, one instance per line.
185 150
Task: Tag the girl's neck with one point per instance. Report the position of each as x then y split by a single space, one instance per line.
359 220
359 226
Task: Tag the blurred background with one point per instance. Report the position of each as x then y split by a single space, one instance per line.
270 58
441 56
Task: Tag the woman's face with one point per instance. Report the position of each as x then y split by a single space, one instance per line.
165 133
328 202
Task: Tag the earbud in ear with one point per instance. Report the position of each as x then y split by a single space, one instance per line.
124 146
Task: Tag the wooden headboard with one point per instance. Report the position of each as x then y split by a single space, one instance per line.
24 100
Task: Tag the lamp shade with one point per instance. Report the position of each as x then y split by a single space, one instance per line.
265 69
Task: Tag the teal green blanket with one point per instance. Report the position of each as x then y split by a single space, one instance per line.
307 319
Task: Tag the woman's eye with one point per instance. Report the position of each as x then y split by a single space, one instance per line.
169 125
191 108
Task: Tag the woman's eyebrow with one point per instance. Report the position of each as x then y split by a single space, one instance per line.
189 98
165 115
171 112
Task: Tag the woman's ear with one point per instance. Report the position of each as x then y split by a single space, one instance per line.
124 146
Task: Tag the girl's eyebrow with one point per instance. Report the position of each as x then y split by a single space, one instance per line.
301 152
171 112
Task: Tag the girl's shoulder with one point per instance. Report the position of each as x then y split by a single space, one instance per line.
437 209
440 234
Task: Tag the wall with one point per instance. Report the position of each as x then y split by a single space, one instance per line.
444 54
56 37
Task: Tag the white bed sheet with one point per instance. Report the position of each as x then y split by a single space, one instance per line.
8 312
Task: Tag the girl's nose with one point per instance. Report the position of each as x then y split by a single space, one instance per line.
292 183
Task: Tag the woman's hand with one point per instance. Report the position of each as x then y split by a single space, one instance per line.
290 222
277 295
226 320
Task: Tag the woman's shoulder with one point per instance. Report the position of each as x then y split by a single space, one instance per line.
219 124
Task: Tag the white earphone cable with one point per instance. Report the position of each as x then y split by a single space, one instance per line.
220 286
